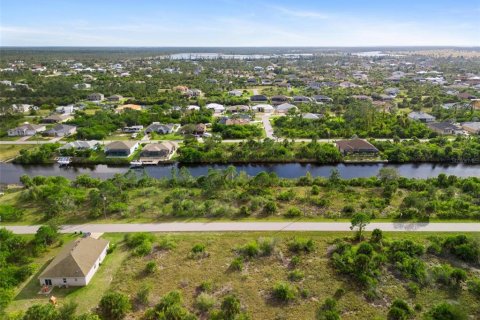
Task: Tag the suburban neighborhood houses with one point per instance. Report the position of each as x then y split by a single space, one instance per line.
238 183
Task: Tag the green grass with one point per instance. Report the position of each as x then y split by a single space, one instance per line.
124 272
10 151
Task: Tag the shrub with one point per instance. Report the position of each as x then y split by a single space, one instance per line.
293 212
114 306
288 195
413 288
250 250
296 275
446 311
328 310
446 275
167 243
236 264
295 261
10 213
230 307
284 292
474 286
204 302
198 248
298 245
142 295
151 267
399 310
377 236
206 286
143 249
315 190
135 239
266 246
270 207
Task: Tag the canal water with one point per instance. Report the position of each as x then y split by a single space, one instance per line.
11 173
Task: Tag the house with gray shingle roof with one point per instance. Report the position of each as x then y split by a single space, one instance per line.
76 263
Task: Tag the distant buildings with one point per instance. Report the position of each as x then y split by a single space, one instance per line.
26 129
96 97
421 116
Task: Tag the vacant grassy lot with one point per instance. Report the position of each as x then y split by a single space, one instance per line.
178 270
10 151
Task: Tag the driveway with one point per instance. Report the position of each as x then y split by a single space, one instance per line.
254 226
267 126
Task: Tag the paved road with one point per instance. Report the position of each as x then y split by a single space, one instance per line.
254 226
267 126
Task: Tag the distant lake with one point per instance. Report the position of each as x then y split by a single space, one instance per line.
11 173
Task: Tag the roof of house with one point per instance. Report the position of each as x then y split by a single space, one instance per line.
286 106
420 115
120 145
167 145
79 145
258 97
61 127
29 126
356 145
76 259
57 117
443 126
471 125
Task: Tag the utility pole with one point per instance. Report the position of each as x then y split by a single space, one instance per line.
104 208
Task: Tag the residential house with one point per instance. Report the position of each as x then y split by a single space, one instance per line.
82 86
285 107
57 118
322 99
60 130
239 108
158 150
466 96
235 93
96 97
26 129
266 108
115 98
278 100
301 99
445 128
195 129
132 129
80 145
121 148
421 116
22 107
392 91
158 127
234 121
259 98
76 263
356 146
66 109
312 116
217 108
471 127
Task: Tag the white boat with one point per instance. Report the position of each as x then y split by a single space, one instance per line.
136 164
63 161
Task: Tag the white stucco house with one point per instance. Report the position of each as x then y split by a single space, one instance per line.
26 129
76 263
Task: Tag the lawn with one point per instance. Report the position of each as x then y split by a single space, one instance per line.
177 270
10 151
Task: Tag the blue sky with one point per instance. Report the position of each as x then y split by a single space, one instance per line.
239 23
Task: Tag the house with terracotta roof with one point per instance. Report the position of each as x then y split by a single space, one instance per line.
76 263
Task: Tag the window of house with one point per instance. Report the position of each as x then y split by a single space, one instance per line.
64 280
